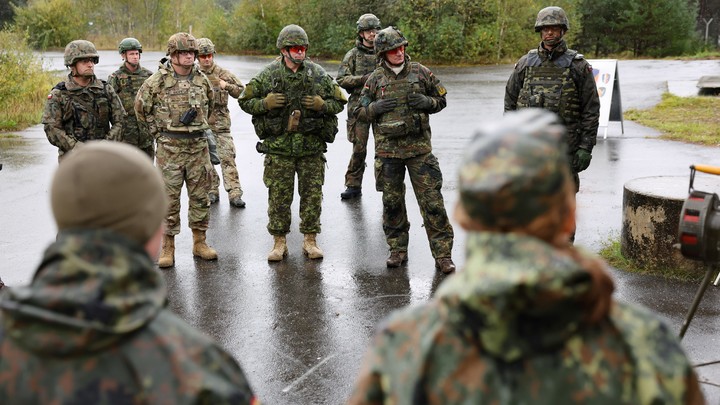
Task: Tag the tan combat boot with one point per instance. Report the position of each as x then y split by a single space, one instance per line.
279 250
167 257
310 247
200 247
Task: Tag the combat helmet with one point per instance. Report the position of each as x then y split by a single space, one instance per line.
388 39
551 16
205 46
292 35
515 170
80 49
129 44
368 22
182 41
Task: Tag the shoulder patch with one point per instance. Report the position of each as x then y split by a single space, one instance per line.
441 90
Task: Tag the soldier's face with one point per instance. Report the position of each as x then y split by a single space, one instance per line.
368 37
132 57
183 58
395 56
84 67
551 34
206 61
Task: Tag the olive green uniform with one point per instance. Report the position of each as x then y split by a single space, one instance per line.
126 84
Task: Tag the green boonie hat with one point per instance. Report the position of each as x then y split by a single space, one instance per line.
368 22
551 16
80 49
129 44
292 35
205 46
514 169
182 41
388 39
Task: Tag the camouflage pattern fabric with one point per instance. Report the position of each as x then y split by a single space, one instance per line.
74 113
92 328
426 179
279 178
357 63
220 123
509 329
126 84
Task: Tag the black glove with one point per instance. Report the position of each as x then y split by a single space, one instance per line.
419 101
382 106
364 79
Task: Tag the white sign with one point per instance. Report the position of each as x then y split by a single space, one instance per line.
607 82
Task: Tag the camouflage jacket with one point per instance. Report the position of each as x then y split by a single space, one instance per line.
220 118
126 84
163 99
510 330
358 62
578 105
92 328
314 129
405 131
74 113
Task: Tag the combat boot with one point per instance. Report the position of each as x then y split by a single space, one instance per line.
235 197
279 250
214 197
351 192
200 247
396 259
310 247
167 257
445 264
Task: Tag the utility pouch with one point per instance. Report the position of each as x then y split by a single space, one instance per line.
188 116
293 121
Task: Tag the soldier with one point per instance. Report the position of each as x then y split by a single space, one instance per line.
126 82
224 84
173 105
398 98
92 326
355 68
294 105
560 80
82 107
531 319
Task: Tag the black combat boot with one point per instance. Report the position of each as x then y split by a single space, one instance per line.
351 192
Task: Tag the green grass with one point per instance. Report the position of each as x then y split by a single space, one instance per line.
612 254
685 119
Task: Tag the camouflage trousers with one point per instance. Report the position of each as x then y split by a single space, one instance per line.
134 136
426 180
226 151
358 133
279 178
185 161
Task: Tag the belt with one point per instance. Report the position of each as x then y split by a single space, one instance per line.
183 135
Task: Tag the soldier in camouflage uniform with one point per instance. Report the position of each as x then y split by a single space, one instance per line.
92 327
126 82
294 105
224 84
398 98
560 80
82 107
173 106
355 68
531 320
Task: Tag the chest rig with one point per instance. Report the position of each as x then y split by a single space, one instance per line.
178 97
128 86
403 120
90 111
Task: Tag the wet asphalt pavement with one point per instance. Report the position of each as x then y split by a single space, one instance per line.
300 327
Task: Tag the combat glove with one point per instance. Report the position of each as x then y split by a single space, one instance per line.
581 160
315 103
420 101
274 100
364 79
382 106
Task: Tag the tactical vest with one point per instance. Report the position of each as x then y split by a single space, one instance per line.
178 97
365 63
220 118
551 85
91 112
128 86
403 120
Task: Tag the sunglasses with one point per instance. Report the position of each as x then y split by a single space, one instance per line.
396 51
297 49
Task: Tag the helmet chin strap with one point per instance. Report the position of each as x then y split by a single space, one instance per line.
293 60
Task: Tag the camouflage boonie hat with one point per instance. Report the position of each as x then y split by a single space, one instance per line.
388 39
514 170
205 46
292 35
551 16
80 49
182 41
368 22
129 44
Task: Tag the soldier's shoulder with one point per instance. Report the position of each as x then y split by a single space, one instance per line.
145 72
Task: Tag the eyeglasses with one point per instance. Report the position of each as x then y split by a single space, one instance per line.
208 56
183 53
297 49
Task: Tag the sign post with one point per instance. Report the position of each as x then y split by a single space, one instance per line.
607 81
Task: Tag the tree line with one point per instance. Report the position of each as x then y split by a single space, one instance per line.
446 31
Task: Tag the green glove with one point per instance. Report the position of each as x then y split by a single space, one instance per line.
315 103
419 101
274 100
581 160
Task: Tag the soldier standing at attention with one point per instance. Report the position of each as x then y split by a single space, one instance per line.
398 98
83 107
224 84
560 80
355 68
531 319
294 105
126 82
173 106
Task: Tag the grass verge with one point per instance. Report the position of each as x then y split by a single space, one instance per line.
612 254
